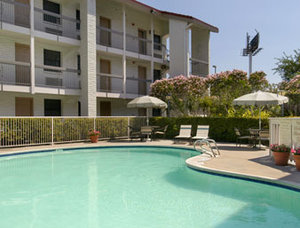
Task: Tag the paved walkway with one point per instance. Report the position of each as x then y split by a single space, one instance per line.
248 162
239 161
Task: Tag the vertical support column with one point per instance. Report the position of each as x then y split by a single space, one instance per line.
124 51
88 57
152 49
187 51
32 47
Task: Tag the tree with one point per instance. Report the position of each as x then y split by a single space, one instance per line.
288 66
258 81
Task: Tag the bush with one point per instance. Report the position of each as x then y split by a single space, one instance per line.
220 129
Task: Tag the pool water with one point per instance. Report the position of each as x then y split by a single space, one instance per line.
133 187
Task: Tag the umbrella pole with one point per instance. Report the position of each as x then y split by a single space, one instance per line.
148 139
259 127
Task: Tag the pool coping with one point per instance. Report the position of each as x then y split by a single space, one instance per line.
190 162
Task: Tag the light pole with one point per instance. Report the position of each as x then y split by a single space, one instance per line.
215 67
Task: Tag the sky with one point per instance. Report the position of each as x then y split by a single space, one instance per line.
276 20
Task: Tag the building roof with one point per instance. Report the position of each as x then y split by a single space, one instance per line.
178 16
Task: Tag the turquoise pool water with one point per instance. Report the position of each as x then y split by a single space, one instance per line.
133 187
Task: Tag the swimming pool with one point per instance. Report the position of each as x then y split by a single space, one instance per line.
133 187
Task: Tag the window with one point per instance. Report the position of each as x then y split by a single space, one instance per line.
78 64
52 58
52 107
156 75
51 7
78 19
157 42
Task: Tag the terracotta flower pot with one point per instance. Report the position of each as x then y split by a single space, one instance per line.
281 158
94 138
297 160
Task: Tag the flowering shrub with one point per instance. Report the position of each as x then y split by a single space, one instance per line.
189 95
280 148
94 133
294 85
296 151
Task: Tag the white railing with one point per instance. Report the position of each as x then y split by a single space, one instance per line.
109 83
15 73
57 77
16 13
137 86
138 45
199 67
109 37
56 24
29 131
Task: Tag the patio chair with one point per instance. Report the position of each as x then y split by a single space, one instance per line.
240 138
184 133
161 131
202 132
264 135
134 133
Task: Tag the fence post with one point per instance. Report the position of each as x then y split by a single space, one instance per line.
94 123
52 132
128 124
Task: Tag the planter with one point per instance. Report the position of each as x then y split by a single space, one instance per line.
281 158
297 161
94 138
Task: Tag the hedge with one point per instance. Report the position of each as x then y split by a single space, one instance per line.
220 129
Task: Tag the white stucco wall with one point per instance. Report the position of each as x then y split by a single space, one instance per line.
178 48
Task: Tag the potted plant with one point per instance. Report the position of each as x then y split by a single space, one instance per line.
94 136
281 154
296 154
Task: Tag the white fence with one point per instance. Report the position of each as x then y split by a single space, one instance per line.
285 131
27 131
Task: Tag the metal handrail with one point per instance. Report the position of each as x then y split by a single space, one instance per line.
211 147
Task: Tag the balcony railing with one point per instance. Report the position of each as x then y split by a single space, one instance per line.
198 67
137 86
161 51
109 83
56 24
109 37
16 13
138 45
15 73
57 77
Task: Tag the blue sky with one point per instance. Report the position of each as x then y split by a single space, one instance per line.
276 20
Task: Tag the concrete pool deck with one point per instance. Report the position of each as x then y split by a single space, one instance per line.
235 161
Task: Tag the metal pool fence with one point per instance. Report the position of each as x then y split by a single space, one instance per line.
27 131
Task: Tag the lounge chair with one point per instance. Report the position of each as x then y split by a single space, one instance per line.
134 133
184 133
240 138
202 132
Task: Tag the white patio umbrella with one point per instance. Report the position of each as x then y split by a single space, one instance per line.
147 102
259 99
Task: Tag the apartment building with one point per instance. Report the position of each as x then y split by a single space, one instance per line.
91 57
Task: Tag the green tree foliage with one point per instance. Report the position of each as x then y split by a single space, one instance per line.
288 66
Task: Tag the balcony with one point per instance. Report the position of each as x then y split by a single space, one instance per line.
110 83
56 24
18 74
15 13
199 67
109 37
15 73
57 77
114 39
